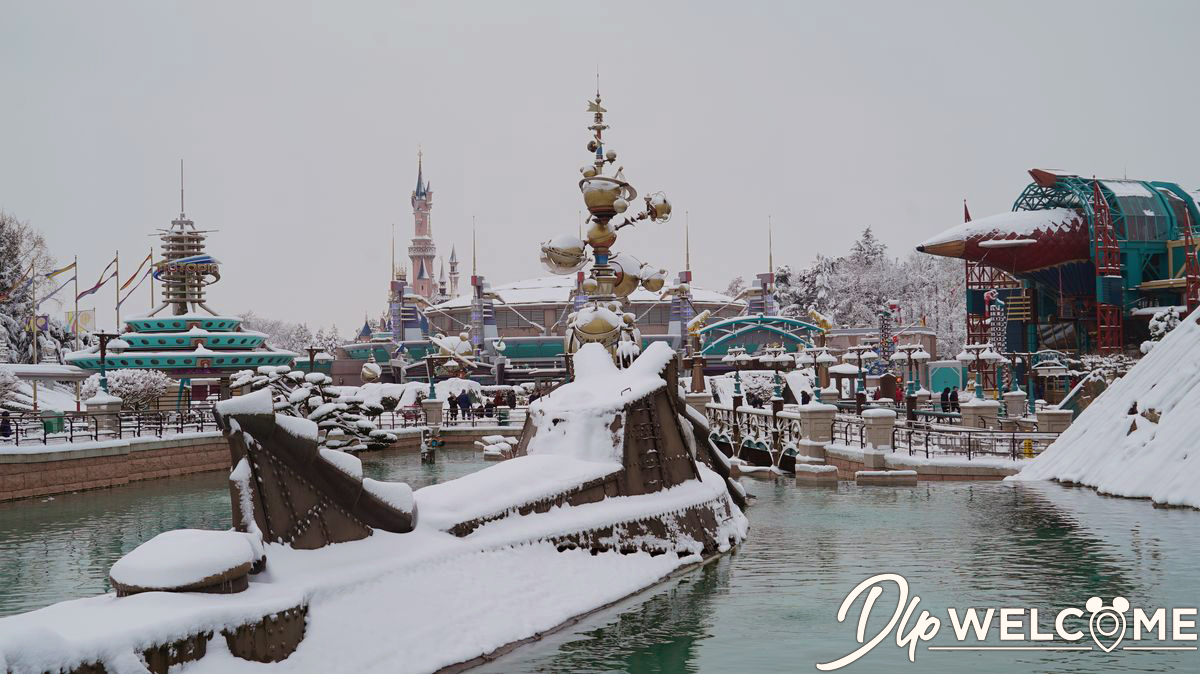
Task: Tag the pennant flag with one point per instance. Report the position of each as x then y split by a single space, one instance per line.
137 273
55 292
96 287
139 285
99 283
56 272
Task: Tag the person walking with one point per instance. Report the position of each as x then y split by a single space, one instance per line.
5 425
464 402
946 399
954 407
511 398
453 400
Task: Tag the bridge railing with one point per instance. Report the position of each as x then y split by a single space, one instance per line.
783 430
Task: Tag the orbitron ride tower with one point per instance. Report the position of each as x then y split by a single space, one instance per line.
422 251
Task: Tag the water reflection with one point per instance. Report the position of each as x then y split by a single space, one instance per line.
769 607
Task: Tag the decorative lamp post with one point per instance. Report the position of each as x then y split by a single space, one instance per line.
994 361
862 355
973 353
735 357
824 360
901 358
108 342
806 359
919 357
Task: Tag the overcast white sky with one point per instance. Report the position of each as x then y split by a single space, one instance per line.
300 126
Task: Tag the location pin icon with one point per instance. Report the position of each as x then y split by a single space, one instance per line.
1107 624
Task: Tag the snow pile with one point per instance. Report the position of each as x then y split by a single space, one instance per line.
1138 438
1016 224
585 418
396 494
347 463
258 402
504 486
183 557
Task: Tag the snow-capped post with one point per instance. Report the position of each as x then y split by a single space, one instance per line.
106 409
1014 404
1053 420
878 424
978 413
816 420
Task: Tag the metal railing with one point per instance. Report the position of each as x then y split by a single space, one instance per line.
931 440
782 431
66 427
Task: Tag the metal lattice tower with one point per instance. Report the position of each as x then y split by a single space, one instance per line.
1109 282
1190 266
982 278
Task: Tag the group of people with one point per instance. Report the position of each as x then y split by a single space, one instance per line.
950 400
465 404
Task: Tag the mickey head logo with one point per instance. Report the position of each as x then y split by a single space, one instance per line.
1107 623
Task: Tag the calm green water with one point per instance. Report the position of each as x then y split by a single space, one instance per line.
771 606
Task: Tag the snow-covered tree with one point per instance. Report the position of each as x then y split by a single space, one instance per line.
332 340
9 384
736 285
345 420
137 389
850 290
22 247
1161 325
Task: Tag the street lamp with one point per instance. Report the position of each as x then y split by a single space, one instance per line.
977 353
777 359
901 357
108 342
806 359
919 356
862 355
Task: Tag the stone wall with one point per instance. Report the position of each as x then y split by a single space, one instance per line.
27 472
30 471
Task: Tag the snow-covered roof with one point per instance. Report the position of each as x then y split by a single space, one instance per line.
1127 188
557 290
1020 223
46 371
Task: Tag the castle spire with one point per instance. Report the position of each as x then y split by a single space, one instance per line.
420 191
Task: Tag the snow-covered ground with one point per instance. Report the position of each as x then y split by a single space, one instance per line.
1139 437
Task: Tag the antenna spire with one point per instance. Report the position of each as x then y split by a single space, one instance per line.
687 241
474 270
770 247
181 211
